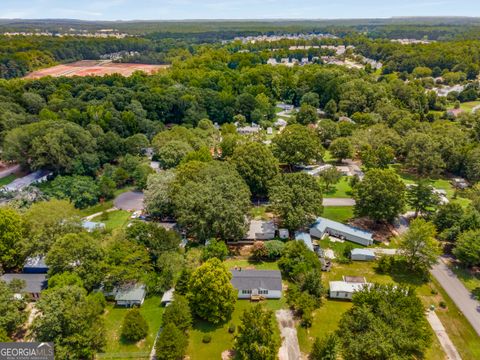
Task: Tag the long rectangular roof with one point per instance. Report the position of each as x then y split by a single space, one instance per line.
257 279
322 224
34 283
25 181
135 292
366 252
348 287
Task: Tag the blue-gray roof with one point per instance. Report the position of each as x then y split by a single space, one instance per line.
35 264
366 252
322 224
256 279
306 238
27 180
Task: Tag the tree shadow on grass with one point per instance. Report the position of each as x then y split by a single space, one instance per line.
400 273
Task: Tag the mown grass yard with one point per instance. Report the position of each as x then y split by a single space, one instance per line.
249 264
113 219
7 179
221 339
115 347
459 330
338 213
340 190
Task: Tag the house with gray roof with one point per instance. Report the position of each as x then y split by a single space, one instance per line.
261 230
323 227
91 226
130 295
35 265
252 283
34 283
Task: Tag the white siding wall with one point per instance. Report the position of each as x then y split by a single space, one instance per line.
272 294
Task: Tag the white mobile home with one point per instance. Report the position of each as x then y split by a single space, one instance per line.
362 255
324 227
346 288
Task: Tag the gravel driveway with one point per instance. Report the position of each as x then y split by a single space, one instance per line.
290 350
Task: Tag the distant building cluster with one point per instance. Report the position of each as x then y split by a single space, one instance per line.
273 38
411 41
118 55
104 33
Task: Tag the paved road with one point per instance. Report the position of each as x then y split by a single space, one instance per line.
338 202
443 338
9 171
459 294
131 200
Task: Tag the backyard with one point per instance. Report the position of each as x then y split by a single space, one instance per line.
113 219
115 347
459 330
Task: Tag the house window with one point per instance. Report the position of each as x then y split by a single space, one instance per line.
263 292
246 291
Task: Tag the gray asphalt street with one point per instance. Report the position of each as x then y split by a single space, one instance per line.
459 294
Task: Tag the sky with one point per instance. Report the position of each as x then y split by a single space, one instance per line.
233 9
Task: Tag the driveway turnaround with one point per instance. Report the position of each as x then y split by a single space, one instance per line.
458 292
338 202
447 345
131 200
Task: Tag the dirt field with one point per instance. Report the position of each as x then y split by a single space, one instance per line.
95 68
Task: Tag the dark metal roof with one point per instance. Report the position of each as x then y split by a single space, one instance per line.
257 279
34 283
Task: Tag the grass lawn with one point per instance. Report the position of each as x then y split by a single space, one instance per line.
466 106
441 184
471 281
338 213
115 219
221 339
326 318
245 263
341 190
259 212
337 247
7 179
100 207
117 349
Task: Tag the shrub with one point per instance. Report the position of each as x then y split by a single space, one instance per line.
384 264
434 292
443 304
206 339
259 250
134 326
231 329
274 249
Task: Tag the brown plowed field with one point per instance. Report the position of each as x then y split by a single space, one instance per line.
94 68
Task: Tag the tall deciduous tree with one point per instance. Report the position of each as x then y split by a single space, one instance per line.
380 195
297 198
158 194
11 236
467 248
134 327
419 246
385 322
256 339
421 197
212 297
256 165
212 202
297 144
72 321
80 254
342 148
